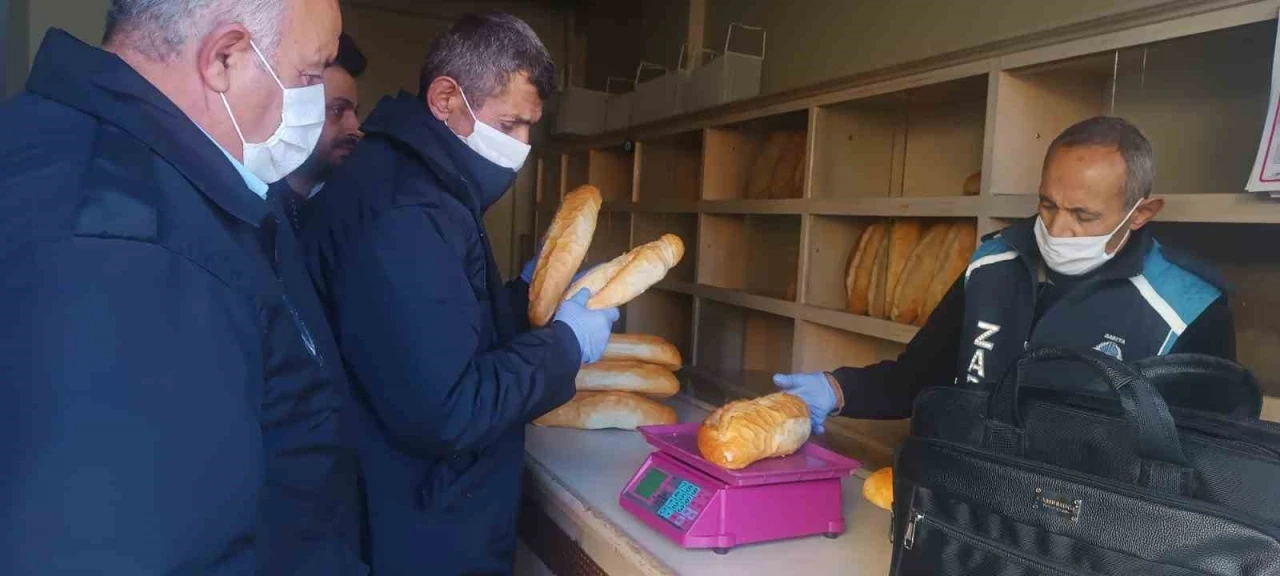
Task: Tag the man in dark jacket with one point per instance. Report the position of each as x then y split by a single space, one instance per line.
1084 273
445 368
170 386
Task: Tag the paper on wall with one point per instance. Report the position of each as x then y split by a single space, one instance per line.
1265 176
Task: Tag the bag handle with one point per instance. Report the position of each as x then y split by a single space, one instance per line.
1204 383
764 38
1163 465
642 66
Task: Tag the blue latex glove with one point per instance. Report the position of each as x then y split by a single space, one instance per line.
592 327
816 391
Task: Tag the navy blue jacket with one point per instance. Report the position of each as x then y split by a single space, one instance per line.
444 367
167 406
1144 302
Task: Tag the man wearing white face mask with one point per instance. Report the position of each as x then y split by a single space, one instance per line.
445 367
172 390
1084 273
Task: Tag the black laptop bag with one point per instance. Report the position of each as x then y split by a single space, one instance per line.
1010 482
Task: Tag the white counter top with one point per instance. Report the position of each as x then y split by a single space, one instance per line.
579 474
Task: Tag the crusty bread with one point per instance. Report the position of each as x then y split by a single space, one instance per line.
903 238
797 179
761 176
973 184
880 279
563 249
913 288
647 266
745 431
625 376
595 279
954 258
858 277
878 489
643 348
599 410
782 184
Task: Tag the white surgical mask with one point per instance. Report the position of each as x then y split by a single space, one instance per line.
1080 254
491 144
301 122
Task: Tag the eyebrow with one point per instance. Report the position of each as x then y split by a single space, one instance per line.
343 101
1076 211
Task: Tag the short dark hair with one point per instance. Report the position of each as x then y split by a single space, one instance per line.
1123 136
481 51
350 58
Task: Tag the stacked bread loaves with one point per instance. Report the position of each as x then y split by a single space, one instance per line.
620 390
899 270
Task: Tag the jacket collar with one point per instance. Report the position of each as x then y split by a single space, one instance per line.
102 85
1127 264
476 182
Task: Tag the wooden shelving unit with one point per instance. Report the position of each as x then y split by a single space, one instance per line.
761 288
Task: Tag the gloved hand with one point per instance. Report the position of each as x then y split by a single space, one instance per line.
592 327
817 391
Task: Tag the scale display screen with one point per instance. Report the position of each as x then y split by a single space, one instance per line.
652 480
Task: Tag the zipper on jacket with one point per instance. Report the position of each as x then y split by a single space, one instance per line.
992 546
307 340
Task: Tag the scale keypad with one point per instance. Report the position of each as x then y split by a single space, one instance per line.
674 499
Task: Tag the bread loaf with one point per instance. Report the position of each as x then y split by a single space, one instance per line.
878 489
761 176
643 348
903 238
954 258
913 288
858 277
880 279
782 184
797 179
646 266
973 184
595 280
624 376
745 431
563 249
599 410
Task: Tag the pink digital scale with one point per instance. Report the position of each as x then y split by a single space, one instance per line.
697 504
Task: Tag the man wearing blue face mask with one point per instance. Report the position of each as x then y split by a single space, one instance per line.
1084 273
446 371
171 390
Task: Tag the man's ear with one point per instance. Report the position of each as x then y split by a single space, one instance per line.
440 95
1145 212
218 51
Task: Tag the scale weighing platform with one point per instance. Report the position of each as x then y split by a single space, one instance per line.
697 504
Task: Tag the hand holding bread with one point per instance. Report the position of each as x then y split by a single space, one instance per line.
563 249
629 275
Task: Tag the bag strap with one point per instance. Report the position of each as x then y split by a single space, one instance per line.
1162 466
1204 383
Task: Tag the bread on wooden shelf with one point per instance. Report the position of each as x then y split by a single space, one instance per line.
563 249
628 376
878 488
761 176
783 182
858 276
600 410
973 184
631 274
913 288
643 348
797 178
743 432
960 243
880 278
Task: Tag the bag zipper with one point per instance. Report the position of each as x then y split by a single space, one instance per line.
1123 489
917 517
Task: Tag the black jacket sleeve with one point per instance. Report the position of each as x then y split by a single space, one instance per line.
886 390
414 333
1212 333
518 298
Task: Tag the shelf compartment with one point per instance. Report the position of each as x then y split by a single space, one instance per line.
550 184
649 227
612 238
731 153
609 169
666 314
832 240
921 142
1201 100
669 168
754 253
732 340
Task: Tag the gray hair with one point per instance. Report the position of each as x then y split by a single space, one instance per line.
160 28
482 51
1121 135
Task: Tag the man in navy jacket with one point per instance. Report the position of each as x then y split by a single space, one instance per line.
445 368
1084 273
171 390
